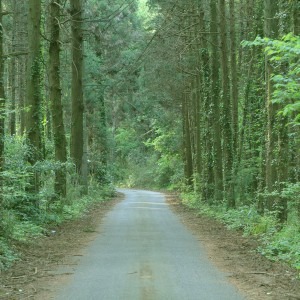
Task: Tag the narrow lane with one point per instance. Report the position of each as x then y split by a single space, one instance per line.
145 253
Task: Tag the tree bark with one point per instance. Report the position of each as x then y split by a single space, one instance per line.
76 147
187 145
215 107
227 111
13 73
33 100
205 110
22 37
271 31
55 99
198 96
2 108
234 79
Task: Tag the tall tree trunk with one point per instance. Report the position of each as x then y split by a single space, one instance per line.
33 100
271 31
215 106
77 141
227 111
205 111
102 133
234 79
55 98
296 30
84 166
283 166
198 96
2 108
22 93
22 37
187 147
284 151
13 73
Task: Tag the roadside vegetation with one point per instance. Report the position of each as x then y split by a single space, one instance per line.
23 221
278 242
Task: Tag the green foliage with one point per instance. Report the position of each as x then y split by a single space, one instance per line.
169 168
277 243
23 231
16 175
7 256
192 200
16 198
247 219
283 245
18 229
292 192
24 218
285 56
145 161
127 142
245 183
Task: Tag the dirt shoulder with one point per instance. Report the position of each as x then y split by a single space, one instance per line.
46 263
257 277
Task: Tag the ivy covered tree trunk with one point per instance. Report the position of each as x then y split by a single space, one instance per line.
97 137
13 72
55 98
22 38
206 113
2 108
227 111
215 106
197 96
33 95
102 140
271 31
187 145
234 80
77 141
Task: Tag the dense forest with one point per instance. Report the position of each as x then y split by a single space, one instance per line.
202 97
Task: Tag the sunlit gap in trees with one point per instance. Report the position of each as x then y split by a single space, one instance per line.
146 15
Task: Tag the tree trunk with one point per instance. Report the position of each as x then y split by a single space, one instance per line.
55 99
187 147
13 73
215 107
22 94
234 79
33 100
271 31
198 96
227 111
205 111
77 142
283 166
102 133
22 37
2 108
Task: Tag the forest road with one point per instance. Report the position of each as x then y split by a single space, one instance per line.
145 253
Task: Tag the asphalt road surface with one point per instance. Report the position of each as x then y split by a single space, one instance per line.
145 253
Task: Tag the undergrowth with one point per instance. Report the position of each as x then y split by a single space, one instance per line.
26 229
24 216
277 242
